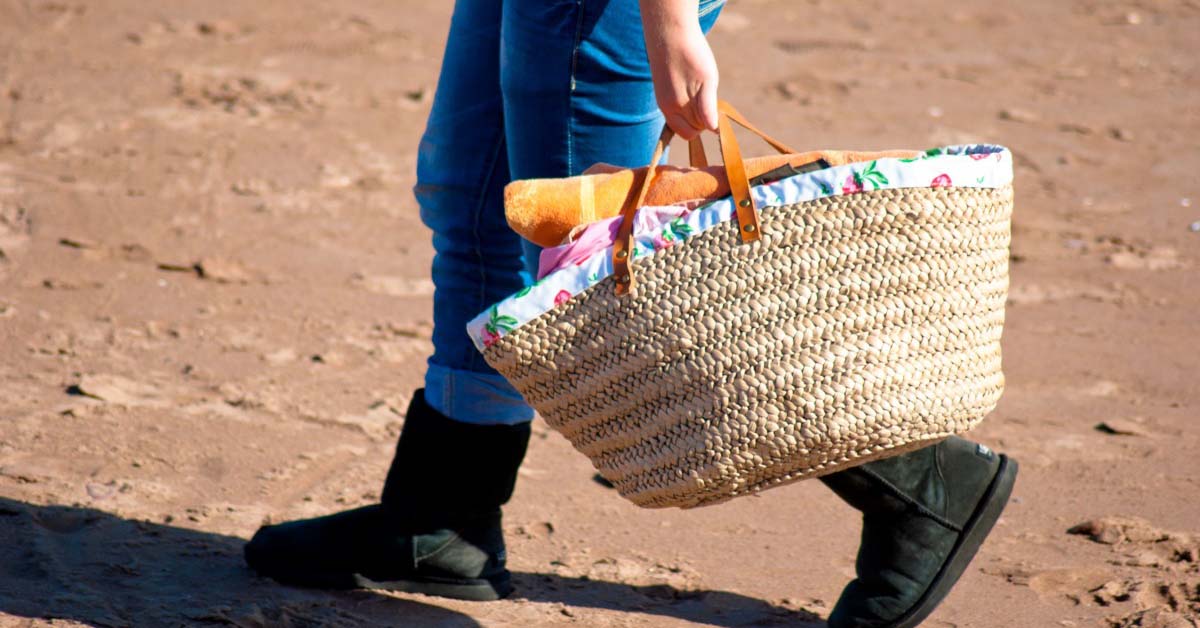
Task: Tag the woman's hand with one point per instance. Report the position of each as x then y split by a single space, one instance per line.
681 64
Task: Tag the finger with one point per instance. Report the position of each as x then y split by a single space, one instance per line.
681 126
705 106
687 111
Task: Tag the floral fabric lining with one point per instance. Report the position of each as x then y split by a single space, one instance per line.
657 228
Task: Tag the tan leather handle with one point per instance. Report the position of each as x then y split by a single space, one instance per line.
735 171
696 156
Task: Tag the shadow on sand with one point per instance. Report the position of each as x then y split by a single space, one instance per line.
97 568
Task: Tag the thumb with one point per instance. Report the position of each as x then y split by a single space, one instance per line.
705 105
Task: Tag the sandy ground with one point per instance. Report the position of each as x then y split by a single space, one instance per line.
214 307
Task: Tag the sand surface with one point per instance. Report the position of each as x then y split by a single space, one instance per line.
214 307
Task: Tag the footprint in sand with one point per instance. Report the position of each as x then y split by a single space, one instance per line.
264 94
1165 586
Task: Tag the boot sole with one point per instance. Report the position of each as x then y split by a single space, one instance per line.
974 532
472 589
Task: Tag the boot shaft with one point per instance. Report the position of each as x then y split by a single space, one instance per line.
450 471
943 481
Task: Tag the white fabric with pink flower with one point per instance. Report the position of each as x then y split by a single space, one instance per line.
586 259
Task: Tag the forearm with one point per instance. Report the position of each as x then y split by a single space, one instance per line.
662 18
681 64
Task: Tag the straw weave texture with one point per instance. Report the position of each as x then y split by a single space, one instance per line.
858 327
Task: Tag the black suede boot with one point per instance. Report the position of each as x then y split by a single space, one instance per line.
437 530
925 514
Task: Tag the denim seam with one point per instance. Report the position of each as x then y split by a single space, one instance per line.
475 232
571 89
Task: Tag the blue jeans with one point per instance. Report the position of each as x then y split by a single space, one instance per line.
528 89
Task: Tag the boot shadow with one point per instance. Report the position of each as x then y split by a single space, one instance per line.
97 568
704 607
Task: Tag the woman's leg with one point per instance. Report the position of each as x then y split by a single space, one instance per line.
462 168
437 529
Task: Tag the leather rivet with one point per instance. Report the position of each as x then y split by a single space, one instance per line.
744 202
622 254
748 228
624 278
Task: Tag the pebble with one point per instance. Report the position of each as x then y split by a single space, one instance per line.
1119 427
1076 127
1120 134
221 271
1018 115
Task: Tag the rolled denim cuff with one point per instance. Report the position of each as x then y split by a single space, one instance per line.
479 398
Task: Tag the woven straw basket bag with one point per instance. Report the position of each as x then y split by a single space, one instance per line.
779 345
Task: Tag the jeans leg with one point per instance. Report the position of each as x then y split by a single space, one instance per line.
577 88
462 167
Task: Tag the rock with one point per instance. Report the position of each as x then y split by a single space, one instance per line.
282 356
1121 427
1113 530
1145 559
133 252
1120 134
1023 116
1158 617
222 271
118 390
1076 127
54 283
78 243
331 358
99 491
175 267
1103 388
1157 258
1111 592
222 28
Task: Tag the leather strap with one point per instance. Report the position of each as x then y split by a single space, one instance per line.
733 114
739 184
623 243
735 171
696 154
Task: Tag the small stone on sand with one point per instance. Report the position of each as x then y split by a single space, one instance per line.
1121 427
